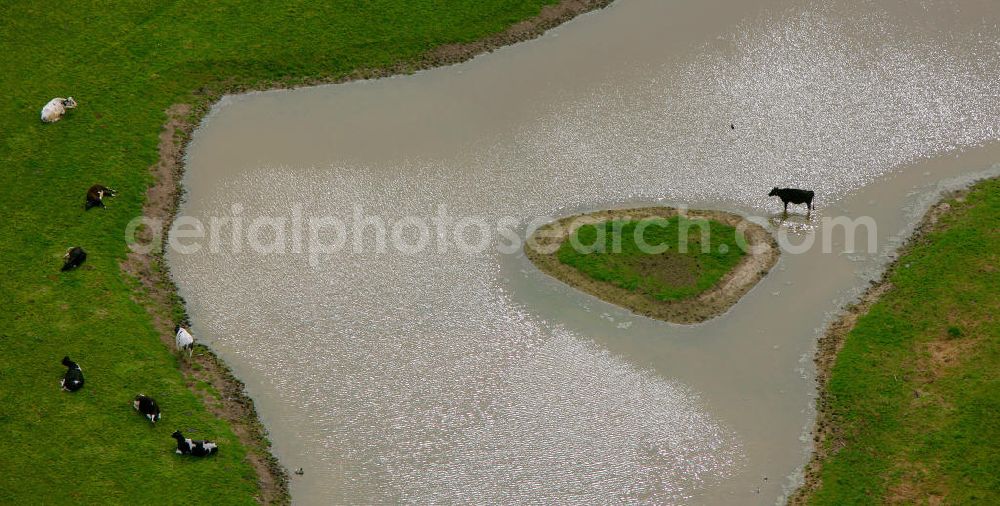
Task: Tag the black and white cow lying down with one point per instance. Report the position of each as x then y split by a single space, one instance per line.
197 448
73 380
73 258
96 194
794 196
148 407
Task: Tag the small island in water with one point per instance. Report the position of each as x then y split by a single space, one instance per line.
659 262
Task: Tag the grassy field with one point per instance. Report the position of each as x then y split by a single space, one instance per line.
913 397
126 62
667 276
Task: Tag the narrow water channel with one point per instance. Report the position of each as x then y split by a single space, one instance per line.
468 376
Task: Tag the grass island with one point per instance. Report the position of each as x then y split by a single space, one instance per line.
657 262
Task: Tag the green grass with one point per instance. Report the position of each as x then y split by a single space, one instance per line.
125 62
915 392
666 276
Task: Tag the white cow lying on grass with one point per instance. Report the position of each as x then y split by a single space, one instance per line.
54 110
185 341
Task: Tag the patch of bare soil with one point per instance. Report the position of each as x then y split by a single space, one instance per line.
946 353
668 268
828 438
908 491
762 254
155 289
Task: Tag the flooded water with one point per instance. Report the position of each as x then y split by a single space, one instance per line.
468 376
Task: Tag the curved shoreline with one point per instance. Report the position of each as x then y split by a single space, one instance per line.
156 290
709 304
827 436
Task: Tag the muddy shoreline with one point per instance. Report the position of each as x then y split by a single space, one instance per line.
709 304
826 436
155 289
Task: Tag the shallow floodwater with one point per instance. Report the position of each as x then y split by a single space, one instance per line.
461 376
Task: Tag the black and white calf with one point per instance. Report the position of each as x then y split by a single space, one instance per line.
96 194
148 407
73 380
793 195
73 258
196 448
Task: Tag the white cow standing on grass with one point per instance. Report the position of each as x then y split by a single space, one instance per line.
56 108
185 341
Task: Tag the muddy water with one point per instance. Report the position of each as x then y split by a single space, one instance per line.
469 376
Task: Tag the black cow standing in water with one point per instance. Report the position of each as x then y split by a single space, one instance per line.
794 196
